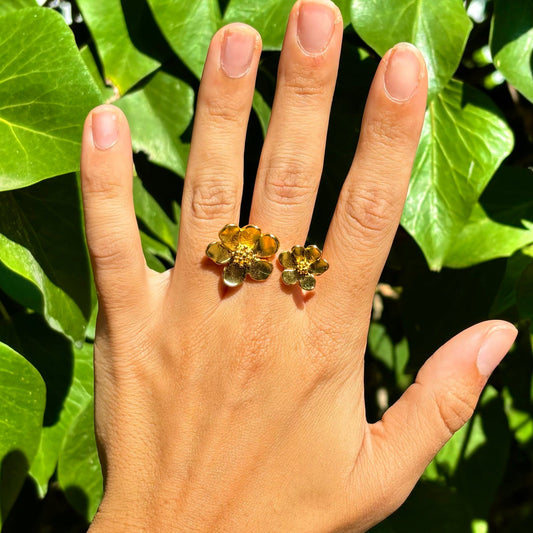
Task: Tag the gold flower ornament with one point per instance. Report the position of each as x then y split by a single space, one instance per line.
301 265
243 251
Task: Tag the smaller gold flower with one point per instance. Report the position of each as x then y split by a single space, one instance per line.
302 265
243 251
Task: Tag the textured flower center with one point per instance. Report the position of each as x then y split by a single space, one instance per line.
302 266
243 255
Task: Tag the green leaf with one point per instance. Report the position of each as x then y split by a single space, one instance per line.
188 28
108 94
511 43
150 213
45 94
78 470
439 29
43 259
23 398
268 17
463 142
68 375
124 64
10 5
500 224
154 251
158 114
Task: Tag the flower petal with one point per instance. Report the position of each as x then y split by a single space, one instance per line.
229 235
218 253
298 251
260 270
249 235
234 274
307 282
312 253
319 267
286 260
289 277
267 245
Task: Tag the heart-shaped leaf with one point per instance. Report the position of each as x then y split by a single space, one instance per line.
439 29
500 224
23 398
511 43
188 28
158 114
45 94
43 259
124 64
464 140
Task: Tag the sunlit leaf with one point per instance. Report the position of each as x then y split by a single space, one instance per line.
464 140
439 29
45 93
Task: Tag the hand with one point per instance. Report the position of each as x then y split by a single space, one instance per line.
222 409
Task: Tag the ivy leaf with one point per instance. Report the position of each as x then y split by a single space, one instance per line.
108 94
78 470
10 5
45 93
511 43
188 28
463 142
44 263
158 114
438 29
23 398
124 64
500 224
269 18
68 376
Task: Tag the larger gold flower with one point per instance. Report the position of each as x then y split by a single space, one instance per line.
243 251
301 265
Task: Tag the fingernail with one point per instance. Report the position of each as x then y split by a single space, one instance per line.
495 346
105 129
315 27
402 73
237 53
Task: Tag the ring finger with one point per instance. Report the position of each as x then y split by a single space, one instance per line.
292 157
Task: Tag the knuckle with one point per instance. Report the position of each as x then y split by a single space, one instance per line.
212 198
455 408
101 182
289 183
222 111
306 82
368 211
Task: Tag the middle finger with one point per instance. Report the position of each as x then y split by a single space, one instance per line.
292 157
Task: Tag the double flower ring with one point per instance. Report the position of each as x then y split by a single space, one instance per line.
246 251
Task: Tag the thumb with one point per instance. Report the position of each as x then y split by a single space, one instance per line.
441 400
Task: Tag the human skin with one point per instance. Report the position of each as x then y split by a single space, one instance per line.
242 409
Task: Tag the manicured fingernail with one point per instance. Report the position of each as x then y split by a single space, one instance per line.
237 52
105 129
495 346
315 26
402 73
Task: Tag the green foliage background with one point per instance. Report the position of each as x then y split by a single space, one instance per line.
464 251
